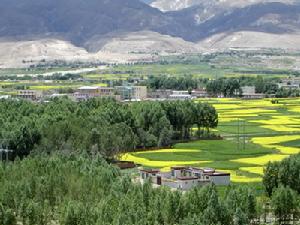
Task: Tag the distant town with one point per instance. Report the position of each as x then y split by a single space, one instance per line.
133 92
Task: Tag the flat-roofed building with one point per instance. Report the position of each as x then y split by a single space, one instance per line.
29 94
160 94
249 92
185 178
180 95
200 93
87 92
132 93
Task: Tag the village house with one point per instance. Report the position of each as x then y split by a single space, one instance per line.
161 94
200 93
184 178
180 95
290 83
248 92
167 94
87 92
132 93
29 95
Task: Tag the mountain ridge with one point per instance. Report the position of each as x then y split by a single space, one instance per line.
132 26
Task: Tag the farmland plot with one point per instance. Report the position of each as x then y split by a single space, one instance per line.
255 132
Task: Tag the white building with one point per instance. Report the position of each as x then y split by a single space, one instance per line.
200 93
250 93
180 95
185 178
29 95
87 92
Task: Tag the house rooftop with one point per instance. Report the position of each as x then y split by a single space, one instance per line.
178 168
150 171
219 174
88 88
187 178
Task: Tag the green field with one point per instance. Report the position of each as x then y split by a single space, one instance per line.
45 86
209 70
254 132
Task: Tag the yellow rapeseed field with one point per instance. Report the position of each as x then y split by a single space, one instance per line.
160 164
261 160
257 170
281 128
238 178
274 142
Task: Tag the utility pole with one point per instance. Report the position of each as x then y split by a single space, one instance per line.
6 151
244 134
238 134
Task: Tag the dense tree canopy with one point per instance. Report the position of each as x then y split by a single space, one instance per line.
80 189
285 173
99 125
84 190
227 87
185 82
282 184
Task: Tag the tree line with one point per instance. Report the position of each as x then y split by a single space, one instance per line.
185 82
100 125
228 87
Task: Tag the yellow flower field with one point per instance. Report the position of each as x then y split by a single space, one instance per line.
237 178
257 170
158 164
281 128
262 160
274 142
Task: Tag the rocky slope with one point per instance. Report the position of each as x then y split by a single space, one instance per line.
175 5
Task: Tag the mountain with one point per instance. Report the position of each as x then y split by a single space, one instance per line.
274 18
175 5
41 26
106 30
76 20
140 42
80 21
251 40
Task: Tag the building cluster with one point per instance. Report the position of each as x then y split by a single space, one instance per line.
168 94
138 93
291 83
121 93
184 178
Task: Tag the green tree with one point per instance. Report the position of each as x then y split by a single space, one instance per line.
285 204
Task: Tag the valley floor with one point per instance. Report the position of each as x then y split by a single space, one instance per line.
255 132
